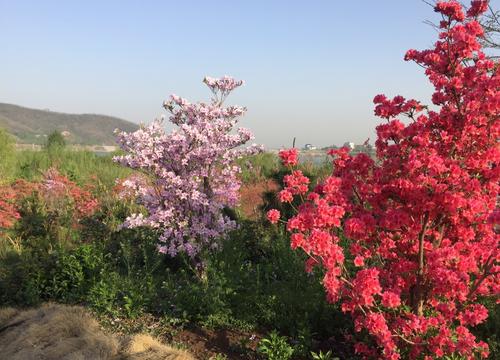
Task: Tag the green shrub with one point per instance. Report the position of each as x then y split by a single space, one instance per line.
275 347
22 279
103 294
260 280
55 141
114 294
258 167
323 356
79 166
7 155
72 273
65 279
42 228
489 330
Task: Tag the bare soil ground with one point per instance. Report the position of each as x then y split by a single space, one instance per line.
203 343
252 197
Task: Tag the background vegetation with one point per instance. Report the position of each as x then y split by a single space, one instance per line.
255 285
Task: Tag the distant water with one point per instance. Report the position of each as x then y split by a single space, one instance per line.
315 158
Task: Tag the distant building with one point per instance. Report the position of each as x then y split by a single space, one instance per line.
349 145
309 147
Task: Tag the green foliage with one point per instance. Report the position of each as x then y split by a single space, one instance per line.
314 172
79 166
323 356
117 295
219 357
73 273
7 156
63 275
55 141
275 347
489 330
40 228
22 279
258 167
256 280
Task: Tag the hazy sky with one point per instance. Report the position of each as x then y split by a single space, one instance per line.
311 68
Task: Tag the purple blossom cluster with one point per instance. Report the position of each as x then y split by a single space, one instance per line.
191 173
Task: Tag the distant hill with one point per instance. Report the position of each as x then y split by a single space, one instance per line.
31 126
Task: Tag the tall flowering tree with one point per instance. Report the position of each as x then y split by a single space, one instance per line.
422 246
191 173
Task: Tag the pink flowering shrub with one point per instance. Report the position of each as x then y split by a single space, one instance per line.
419 222
191 170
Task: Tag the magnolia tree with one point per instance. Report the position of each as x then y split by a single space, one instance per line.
190 173
419 223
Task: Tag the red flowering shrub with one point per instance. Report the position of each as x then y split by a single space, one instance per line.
57 190
8 210
9 198
419 222
56 202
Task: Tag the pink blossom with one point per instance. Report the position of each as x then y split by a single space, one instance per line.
273 216
191 171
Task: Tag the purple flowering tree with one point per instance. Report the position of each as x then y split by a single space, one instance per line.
190 173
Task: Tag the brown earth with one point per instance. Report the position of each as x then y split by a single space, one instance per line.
252 197
203 343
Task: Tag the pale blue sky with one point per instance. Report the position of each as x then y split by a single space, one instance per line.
311 68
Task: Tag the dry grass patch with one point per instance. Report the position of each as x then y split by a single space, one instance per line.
69 333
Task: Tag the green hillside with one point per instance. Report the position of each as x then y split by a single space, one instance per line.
31 126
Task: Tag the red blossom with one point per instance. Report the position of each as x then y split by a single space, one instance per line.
390 299
477 7
8 209
285 196
452 9
297 183
273 216
289 157
421 222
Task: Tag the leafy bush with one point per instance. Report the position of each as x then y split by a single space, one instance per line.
258 167
275 347
55 141
323 356
7 156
